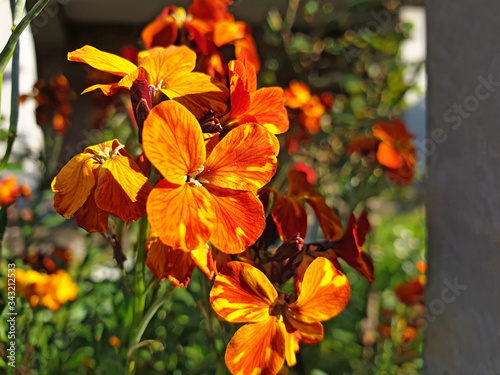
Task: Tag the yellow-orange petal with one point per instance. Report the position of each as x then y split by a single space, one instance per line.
243 160
324 292
181 215
310 333
122 189
226 32
257 348
389 157
165 65
198 92
165 262
90 217
329 222
73 184
104 61
173 141
267 109
242 293
290 217
203 259
240 219
297 95
107 89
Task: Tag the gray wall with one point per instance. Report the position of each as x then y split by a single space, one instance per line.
462 335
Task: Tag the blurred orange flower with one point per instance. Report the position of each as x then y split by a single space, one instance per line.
10 189
243 294
312 108
363 144
50 291
168 70
102 180
249 105
289 212
208 192
395 151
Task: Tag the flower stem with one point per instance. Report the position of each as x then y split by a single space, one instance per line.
139 300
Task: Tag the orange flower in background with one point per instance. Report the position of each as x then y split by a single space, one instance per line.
175 264
206 197
209 24
102 180
312 108
243 294
411 292
395 151
249 105
169 70
10 190
364 145
289 212
50 291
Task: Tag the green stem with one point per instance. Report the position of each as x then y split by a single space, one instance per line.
139 300
136 338
11 49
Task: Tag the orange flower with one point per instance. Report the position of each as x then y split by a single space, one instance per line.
50 291
175 264
114 341
208 193
243 294
289 212
10 190
396 152
169 71
298 96
102 180
363 144
249 105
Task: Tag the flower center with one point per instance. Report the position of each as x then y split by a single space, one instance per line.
108 153
193 179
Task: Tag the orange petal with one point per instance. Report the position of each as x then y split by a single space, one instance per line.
181 215
220 259
290 217
122 189
251 76
203 259
310 333
388 156
163 261
241 293
104 61
243 160
267 109
240 95
198 30
73 184
162 31
198 92
226 32
297 95
240 219
257 348
298 186
324 292
173 141
211 141
402 175
90 217
210 10
245 49
328 220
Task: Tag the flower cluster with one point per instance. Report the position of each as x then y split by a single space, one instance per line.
50 291
10 190
205 151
